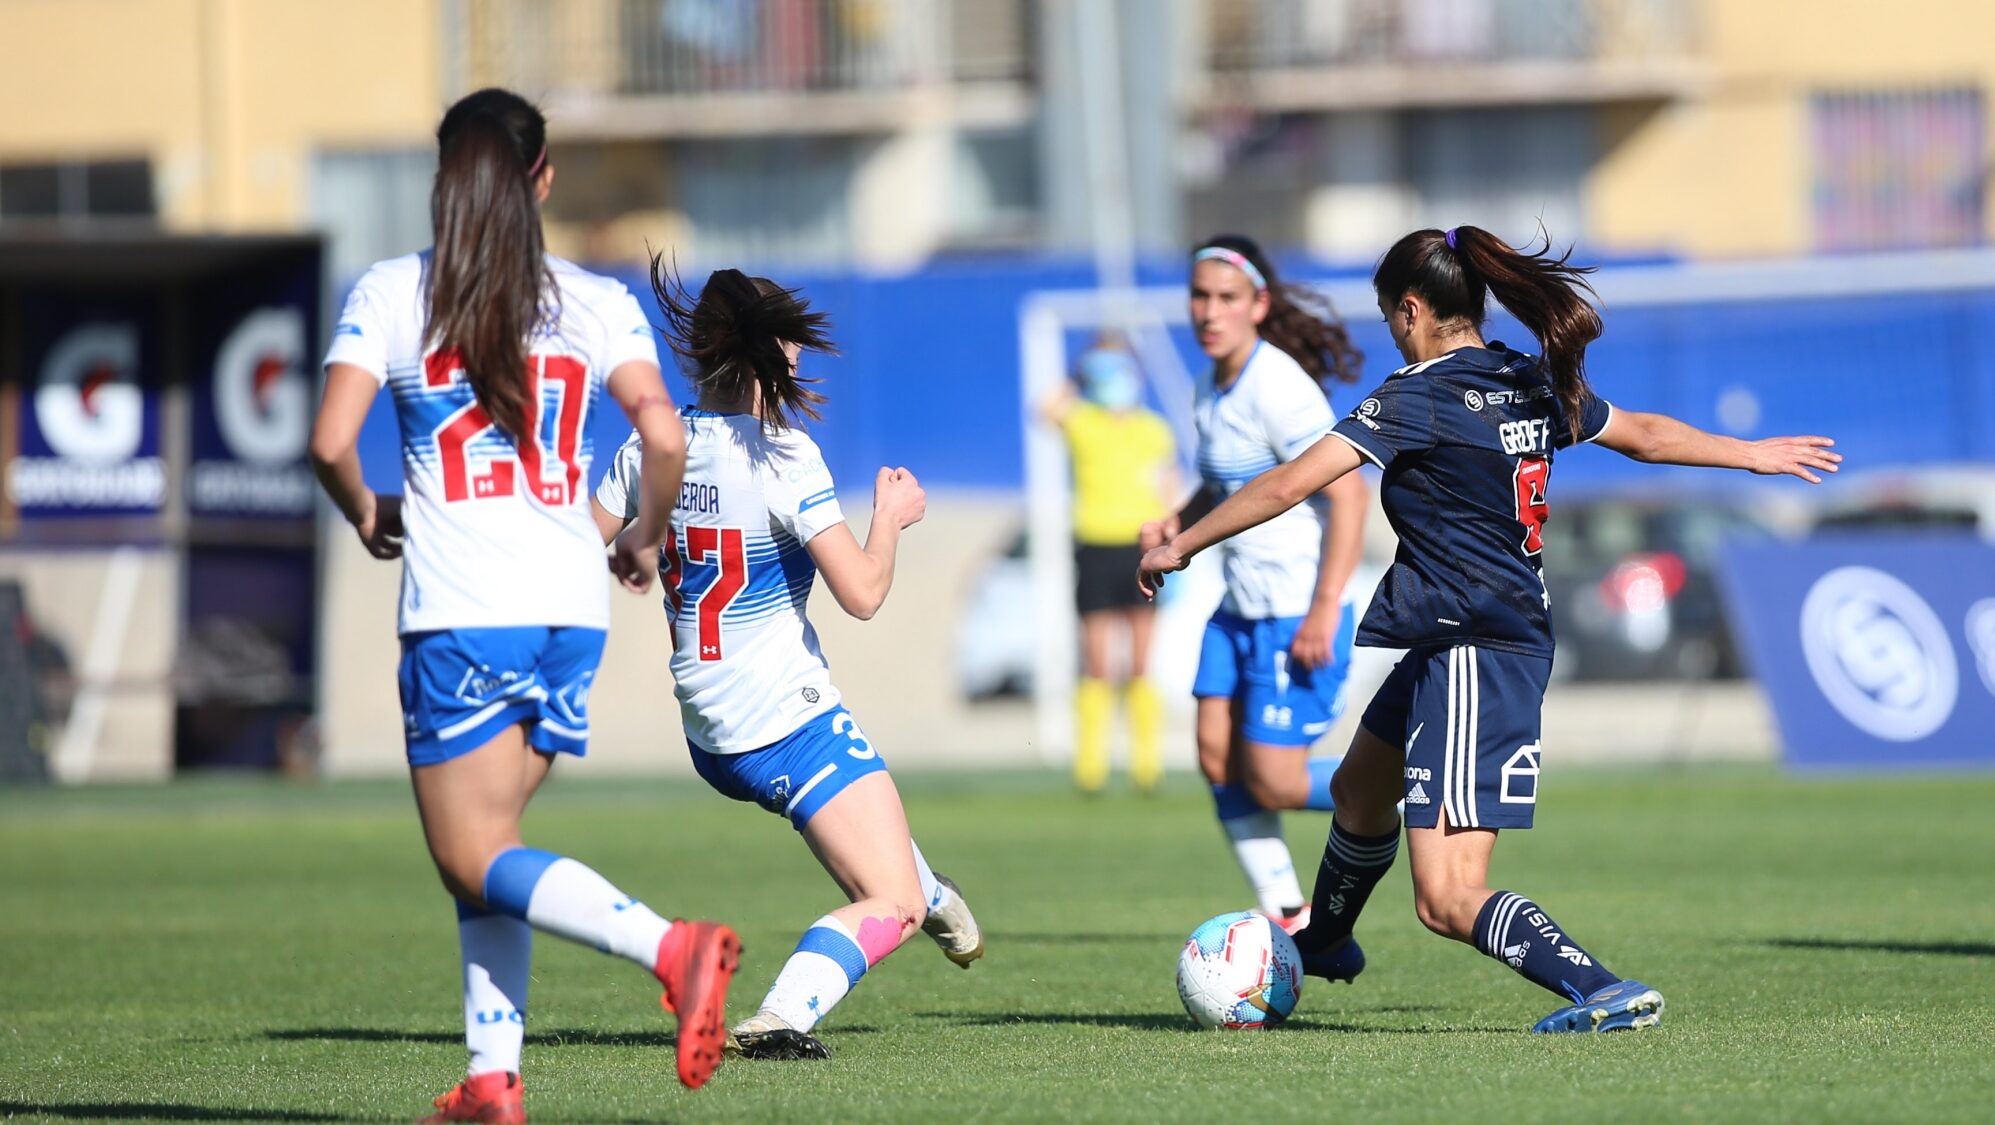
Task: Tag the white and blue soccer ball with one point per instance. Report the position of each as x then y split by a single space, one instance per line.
1239 971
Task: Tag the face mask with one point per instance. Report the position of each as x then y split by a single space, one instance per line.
1110 379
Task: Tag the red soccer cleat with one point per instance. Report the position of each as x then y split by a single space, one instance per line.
493 1098
1291 924
696 960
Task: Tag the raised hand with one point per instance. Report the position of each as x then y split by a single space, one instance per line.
1793 456
899 497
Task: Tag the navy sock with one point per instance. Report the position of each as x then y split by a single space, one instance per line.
1516 931
1352 866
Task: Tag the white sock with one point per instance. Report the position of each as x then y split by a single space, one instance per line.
1264 860
497 952
570 900
826 965
932 891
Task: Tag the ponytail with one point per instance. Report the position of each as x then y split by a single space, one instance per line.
1298 322
488 274
733 337
1455 269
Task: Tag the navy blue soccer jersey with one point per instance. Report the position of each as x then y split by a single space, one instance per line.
1466 441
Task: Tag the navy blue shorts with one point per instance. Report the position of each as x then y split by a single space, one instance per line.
1247 660
1469 719
798 775
461 687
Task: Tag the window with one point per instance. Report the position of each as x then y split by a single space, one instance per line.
1898 169
77 191
371 204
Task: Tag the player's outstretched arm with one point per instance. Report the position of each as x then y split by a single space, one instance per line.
350 391
860 577
640 390
1660 439
1257 502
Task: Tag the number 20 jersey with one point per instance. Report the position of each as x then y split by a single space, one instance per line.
746 663
1466 441
498 534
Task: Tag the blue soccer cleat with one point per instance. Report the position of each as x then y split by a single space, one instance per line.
1342 961
1627 1005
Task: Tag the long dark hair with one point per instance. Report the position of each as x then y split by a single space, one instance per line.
733 337
1298 322
1547 295
488 279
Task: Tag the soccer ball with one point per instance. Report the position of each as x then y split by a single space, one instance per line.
1239 971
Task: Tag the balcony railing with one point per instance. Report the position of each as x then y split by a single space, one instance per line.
730 50
1257 34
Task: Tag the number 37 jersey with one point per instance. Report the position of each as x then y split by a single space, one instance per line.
499 534
746 663
1466 441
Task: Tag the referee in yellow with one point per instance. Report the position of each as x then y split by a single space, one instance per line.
1124 467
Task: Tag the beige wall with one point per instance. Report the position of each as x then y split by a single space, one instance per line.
1726 172
228 98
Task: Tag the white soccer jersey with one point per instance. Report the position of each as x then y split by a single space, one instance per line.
746 663
497 535
1271 413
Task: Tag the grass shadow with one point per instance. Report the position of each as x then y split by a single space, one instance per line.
554 1037
1945 948
159 1111
1176 1022
1072 938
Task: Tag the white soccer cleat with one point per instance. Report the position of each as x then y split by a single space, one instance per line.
953 927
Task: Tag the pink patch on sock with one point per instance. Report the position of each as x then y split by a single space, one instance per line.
878 937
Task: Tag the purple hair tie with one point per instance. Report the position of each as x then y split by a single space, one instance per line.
1450 236
542 159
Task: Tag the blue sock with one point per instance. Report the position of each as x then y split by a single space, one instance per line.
1320 772
1255 835
1231 801
1515 931
566 898
826 966
1352 866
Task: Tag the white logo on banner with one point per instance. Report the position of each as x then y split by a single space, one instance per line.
1981 638
263 407
89 405
1879 653
263 402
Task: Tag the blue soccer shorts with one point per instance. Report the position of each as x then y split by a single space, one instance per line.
798 775
1469 720
461 687
1281 705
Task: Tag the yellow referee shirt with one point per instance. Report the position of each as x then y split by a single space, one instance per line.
1119 460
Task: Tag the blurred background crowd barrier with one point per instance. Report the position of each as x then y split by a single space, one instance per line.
1793 217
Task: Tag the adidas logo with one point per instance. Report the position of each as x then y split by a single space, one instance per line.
1418 795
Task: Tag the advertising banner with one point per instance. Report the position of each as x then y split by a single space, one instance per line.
254 343
88 439
1876 652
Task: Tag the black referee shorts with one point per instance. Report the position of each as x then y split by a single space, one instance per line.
1105 577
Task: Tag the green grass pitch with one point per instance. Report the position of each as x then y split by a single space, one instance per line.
236 951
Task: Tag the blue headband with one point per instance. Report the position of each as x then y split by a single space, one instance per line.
1232 258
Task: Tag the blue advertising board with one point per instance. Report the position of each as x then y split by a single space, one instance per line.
89 440
1876 652
255 333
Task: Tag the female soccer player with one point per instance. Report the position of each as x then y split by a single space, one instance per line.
1466 435
1271 670
496 354
756 520
1125 467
